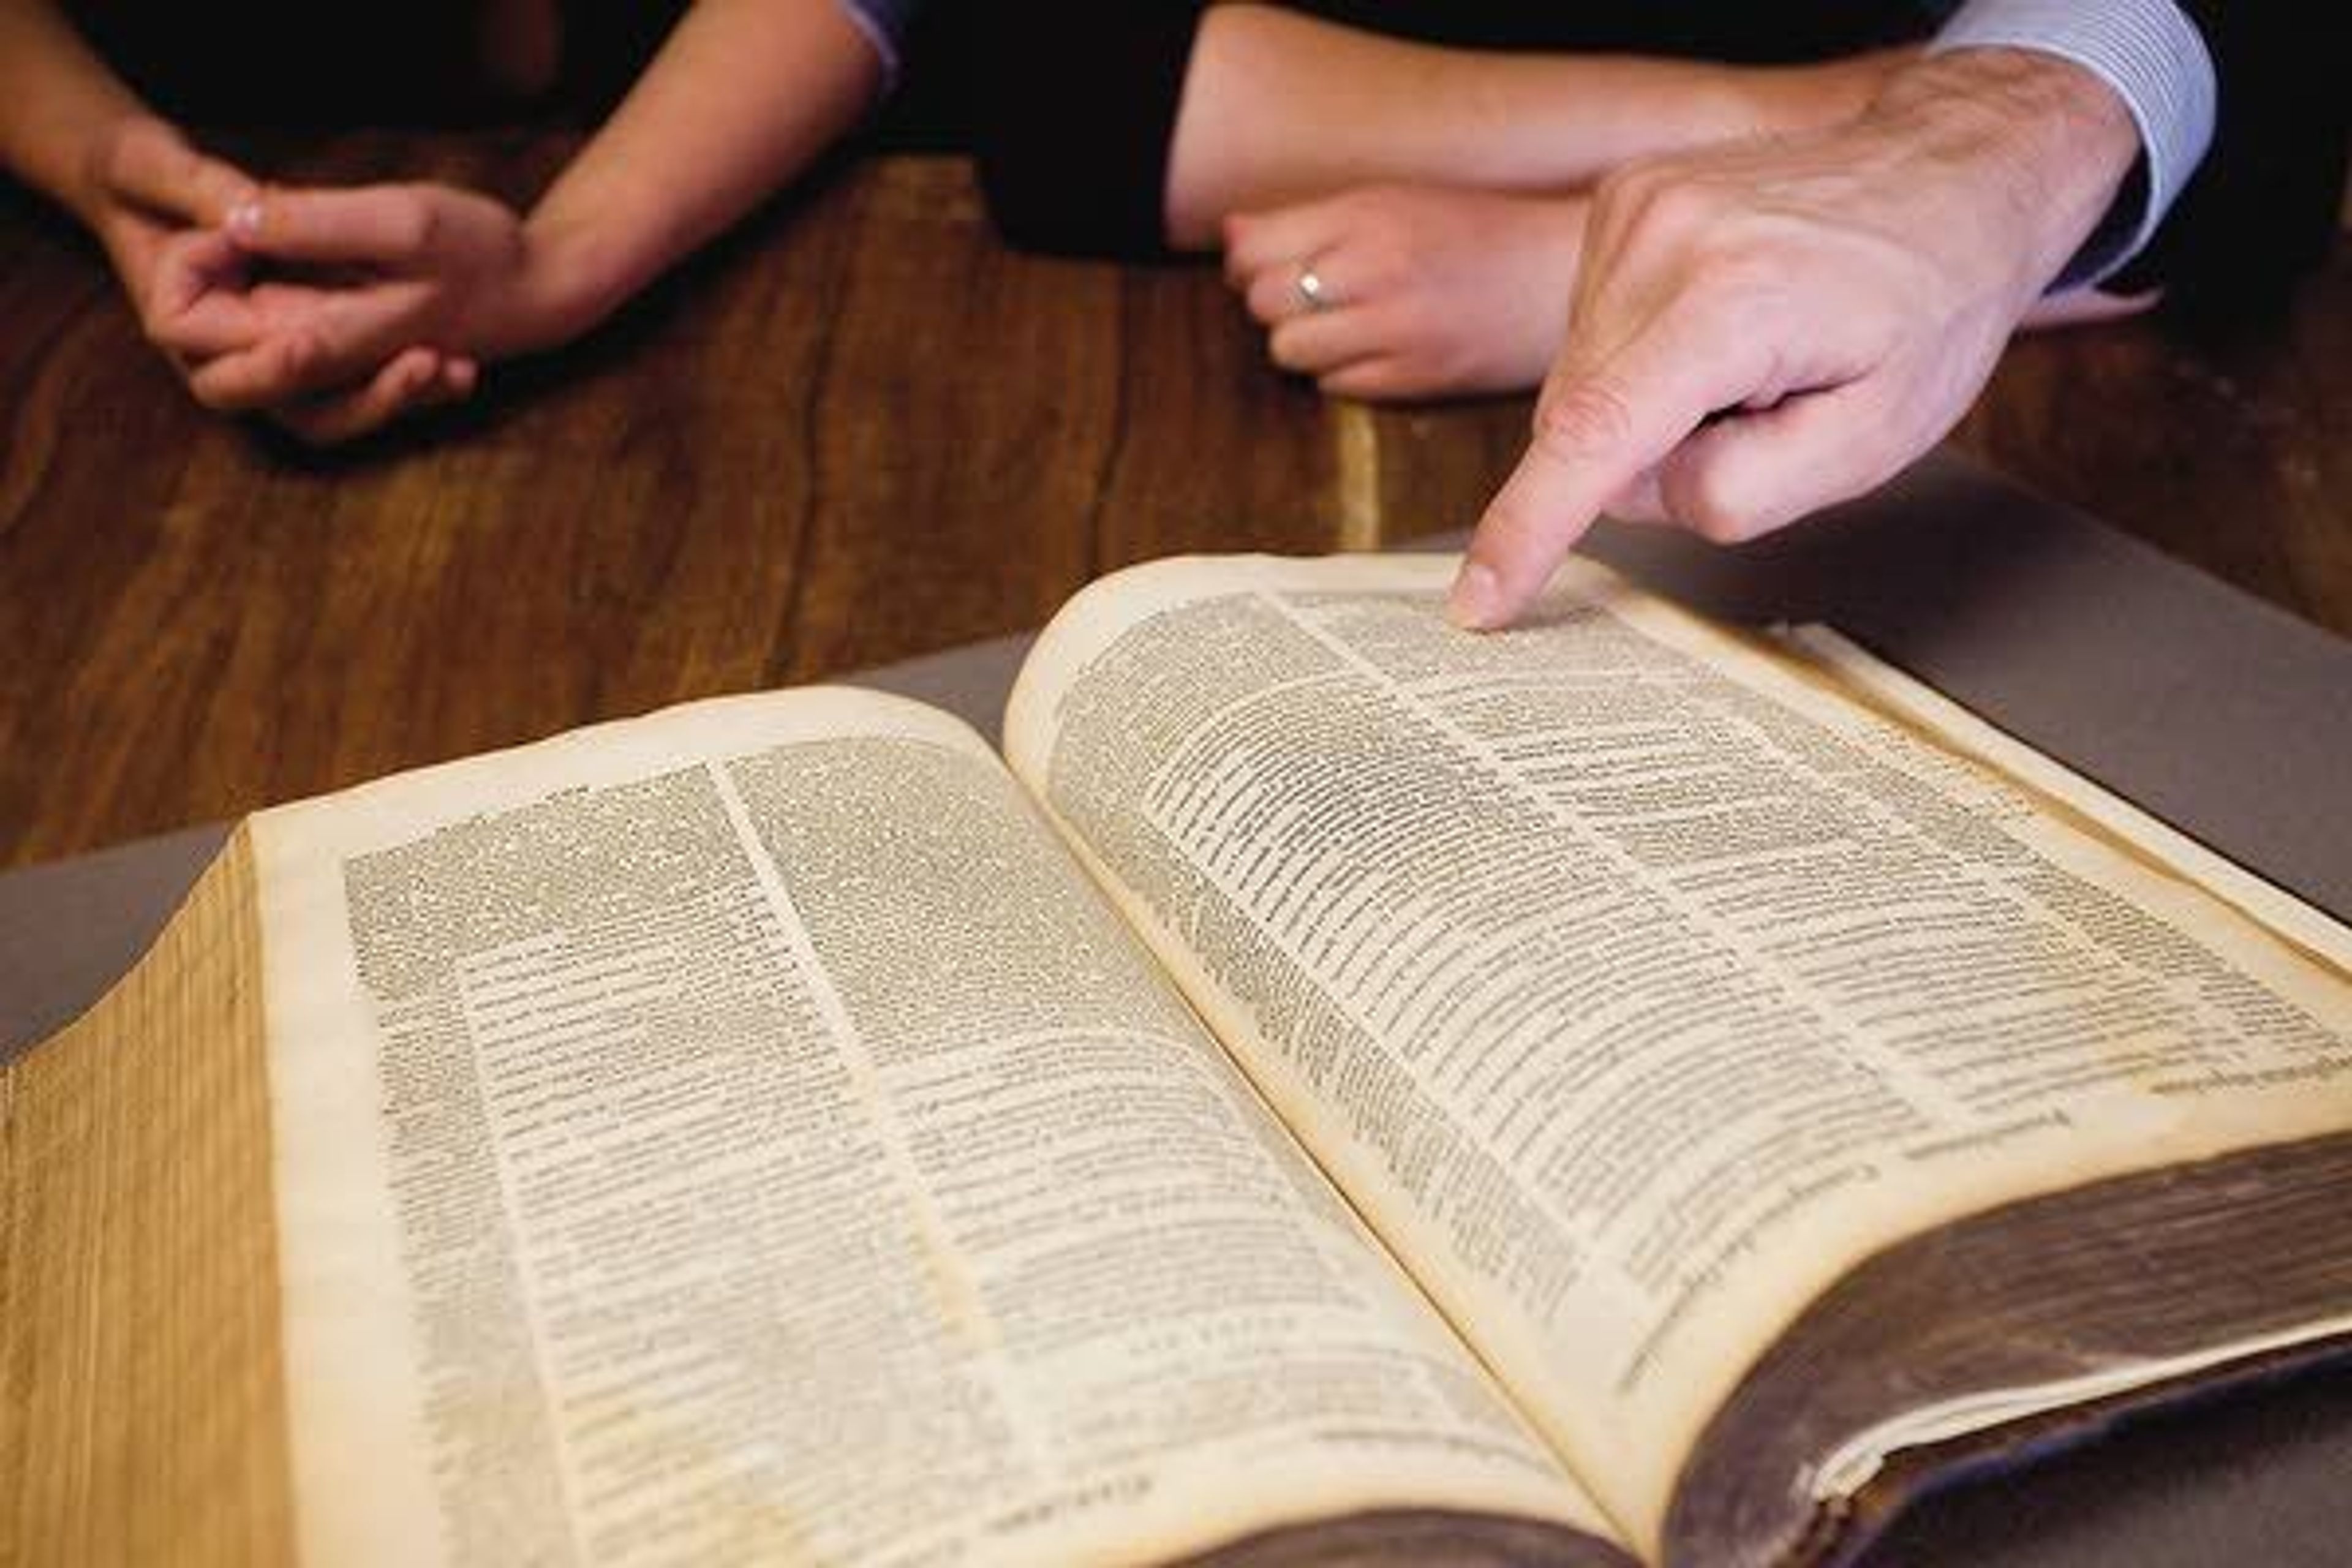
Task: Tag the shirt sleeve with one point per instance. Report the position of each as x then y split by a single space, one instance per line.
2156 61
885 24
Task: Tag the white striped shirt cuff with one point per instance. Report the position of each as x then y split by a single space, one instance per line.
2156 60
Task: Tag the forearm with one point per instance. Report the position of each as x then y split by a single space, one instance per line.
744 95
58 105
1278 105
2154 58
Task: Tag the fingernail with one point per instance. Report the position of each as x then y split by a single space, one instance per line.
245 218
1475 601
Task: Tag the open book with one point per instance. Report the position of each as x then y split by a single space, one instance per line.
1340 1089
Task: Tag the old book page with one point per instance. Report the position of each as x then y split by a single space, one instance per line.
1634 982
744 1134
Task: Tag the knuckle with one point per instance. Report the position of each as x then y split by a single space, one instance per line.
1751 268
1758 264
1681 207
1648 204
1718 518
1624 192
299 355
1702 500
1622 186
416 380
414 222
1579 421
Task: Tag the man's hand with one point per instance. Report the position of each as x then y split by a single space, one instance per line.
1763 328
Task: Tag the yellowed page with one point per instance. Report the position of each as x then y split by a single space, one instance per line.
1632 982
742 1134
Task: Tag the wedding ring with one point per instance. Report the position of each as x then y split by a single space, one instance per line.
1313 290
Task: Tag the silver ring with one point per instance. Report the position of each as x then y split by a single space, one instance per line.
1315 293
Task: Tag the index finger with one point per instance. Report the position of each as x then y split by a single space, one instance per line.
1598 428
379 223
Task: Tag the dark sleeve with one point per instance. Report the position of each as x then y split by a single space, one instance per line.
2262 208
1075 109
1074 103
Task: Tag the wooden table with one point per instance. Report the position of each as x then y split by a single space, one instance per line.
858 430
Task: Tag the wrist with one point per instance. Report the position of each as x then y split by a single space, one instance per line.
2047 145
568 284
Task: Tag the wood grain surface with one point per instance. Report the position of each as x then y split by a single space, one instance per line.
145 1395
858 429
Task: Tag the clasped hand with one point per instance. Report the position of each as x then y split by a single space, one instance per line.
331 311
